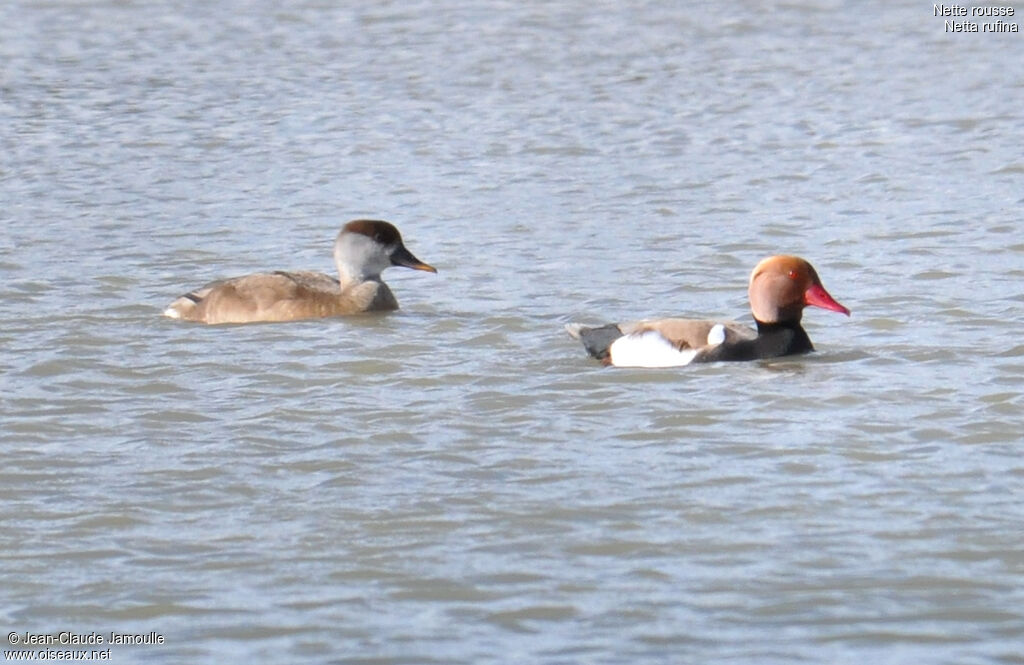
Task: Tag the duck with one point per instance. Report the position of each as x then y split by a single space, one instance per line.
780 288
364 248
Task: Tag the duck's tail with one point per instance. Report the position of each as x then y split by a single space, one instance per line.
595 340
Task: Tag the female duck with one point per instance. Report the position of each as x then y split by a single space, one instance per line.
363 249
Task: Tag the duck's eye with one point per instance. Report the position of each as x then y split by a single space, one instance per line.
792 274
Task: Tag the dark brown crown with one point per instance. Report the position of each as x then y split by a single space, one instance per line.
378 230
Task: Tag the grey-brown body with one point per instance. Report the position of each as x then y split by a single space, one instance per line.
281 296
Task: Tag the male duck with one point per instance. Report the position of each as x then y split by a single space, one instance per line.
780 288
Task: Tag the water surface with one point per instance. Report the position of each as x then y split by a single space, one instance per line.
457 482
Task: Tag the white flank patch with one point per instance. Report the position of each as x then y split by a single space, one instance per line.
716 335
648 349
172 313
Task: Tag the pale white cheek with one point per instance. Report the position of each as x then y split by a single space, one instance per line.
716 335
648 349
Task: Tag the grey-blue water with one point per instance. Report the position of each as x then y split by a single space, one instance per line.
457 482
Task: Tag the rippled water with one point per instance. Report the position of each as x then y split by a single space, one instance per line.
457 482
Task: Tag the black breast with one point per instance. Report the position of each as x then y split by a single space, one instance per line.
773 340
